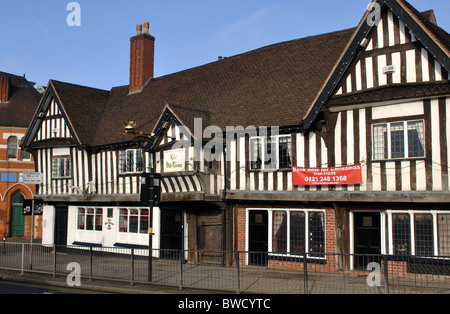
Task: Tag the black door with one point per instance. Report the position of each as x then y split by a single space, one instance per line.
258 237
61 226
367 239
171 233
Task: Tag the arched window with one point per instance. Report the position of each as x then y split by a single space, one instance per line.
12 147
18 199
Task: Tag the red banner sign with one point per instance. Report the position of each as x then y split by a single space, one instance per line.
328 176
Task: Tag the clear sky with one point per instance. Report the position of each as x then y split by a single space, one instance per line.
37 41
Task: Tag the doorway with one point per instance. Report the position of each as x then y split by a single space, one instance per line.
61 216
17 216
258 229
367 239
171 233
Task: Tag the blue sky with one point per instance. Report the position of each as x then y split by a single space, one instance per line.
37 41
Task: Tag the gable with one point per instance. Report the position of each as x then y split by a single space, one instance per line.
50 124
419 49
392 55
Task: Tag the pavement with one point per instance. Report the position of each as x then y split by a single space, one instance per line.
101 286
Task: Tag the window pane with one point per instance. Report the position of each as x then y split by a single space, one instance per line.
255 154
12 147
279 243
90 219
401 231
270 161
423 235
284 152
98 219
134 221
416 139
144 221
81 218
316 235
397 140
444 234
297 233
123 220
380 142
138 160
130 161
122 163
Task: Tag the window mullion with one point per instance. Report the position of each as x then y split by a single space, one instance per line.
388 140
405 139
288 232
412 232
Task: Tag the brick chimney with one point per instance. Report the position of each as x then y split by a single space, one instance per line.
141 58
4 89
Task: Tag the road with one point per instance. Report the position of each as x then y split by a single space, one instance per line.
9 287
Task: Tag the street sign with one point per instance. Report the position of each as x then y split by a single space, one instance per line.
28 205
32 178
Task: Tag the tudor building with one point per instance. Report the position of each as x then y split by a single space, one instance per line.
375 96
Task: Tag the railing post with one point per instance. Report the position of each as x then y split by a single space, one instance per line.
54 261
305 272
181 270
23 258
132 266
90 263
386 274
238 271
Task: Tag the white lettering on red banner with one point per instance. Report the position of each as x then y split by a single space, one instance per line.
327 176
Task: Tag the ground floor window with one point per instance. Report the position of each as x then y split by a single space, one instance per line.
90 219
133 220
293 232
419 233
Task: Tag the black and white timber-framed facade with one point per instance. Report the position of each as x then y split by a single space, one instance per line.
377 95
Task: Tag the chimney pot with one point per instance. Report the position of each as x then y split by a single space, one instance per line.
146 27
139 29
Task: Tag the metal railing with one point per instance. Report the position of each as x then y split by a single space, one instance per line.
240 272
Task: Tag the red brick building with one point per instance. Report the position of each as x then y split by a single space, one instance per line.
18 102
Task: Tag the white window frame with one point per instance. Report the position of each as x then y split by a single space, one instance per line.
11 148
94 219
124 168
412 213
388 140
263 150
67 171
139 215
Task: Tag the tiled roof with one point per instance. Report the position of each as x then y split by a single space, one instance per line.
22 104
270 86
